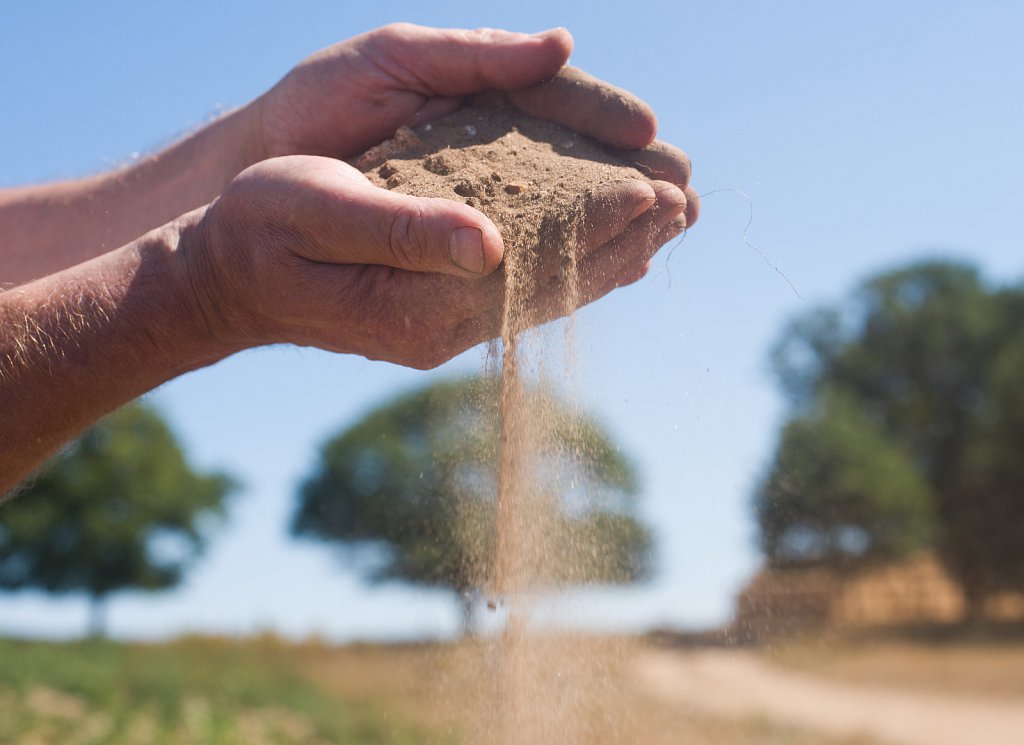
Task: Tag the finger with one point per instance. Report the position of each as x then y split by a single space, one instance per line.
620 259
380 313
474 311
692 206
355 222
670 204
616 263
624 262
660 160
423 235
600 216
434 108
624 279
456 62
612 217
630 274
589 106
606 214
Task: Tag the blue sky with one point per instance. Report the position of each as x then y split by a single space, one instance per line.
866 134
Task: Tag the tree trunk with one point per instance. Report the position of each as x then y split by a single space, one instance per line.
97 617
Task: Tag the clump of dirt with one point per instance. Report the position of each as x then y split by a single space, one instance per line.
526 174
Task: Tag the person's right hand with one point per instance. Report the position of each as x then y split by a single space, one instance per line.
303 249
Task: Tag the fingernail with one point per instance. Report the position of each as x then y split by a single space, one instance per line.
671 203
674 228
466 249
641 207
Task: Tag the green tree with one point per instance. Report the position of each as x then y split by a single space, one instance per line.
841 493
409 492
926 359
119 508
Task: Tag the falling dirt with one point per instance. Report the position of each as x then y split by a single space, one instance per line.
533 179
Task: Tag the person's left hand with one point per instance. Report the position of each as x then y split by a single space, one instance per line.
353 94
356 93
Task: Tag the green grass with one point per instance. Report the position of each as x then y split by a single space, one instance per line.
195 691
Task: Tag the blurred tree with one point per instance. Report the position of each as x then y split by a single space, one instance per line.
410 491
906 402
119 508
839 492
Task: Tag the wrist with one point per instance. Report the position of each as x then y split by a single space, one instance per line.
79 343
250 130
203 295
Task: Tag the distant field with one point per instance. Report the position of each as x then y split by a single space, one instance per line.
438 686
267 692
987 668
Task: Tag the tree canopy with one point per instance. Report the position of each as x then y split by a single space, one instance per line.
907 420
409 491
119 508
840 492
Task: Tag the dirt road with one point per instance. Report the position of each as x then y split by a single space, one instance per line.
739 684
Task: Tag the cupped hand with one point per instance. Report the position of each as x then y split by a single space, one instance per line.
354 94
305 250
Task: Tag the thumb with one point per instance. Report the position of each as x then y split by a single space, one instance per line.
457 62
417 234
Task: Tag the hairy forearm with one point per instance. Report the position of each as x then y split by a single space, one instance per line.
78 344
49 227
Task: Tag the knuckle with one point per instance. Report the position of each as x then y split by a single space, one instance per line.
393 31
432 355
373 299
384 41
482 35
425 346
686 169
693 207
406 238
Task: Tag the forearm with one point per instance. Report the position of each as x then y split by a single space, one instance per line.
78 344
50 227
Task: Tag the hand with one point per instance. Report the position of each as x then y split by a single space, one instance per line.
356 93
305 250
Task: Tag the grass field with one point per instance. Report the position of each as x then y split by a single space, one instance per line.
267 692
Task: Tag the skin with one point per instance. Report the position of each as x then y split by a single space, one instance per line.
253 231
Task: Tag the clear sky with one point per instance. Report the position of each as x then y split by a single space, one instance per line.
866 134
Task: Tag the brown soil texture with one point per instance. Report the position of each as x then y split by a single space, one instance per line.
529 176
